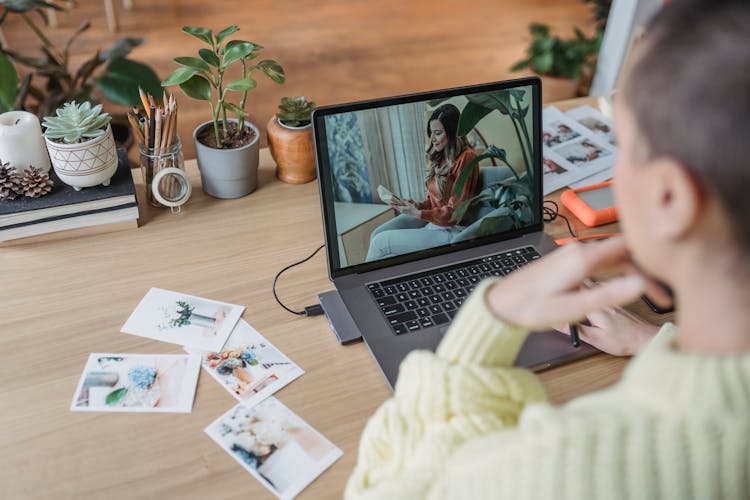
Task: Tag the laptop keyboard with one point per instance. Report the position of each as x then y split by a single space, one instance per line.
433 297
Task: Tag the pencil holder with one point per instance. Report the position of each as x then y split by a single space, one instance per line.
154 161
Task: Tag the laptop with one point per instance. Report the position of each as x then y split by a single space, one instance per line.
422 197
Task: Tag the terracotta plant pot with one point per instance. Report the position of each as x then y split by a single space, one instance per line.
558 89
293 151
85 164
228 173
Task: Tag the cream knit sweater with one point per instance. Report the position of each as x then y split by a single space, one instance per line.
463 423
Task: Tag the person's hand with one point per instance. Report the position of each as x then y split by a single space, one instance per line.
407 208
555 290
616 331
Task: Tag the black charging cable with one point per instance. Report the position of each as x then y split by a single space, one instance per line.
313 310
552 213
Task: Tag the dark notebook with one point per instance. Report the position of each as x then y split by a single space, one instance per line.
64 201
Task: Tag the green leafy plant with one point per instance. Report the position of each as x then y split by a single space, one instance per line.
52 82
184 310
76 123
116 396
511 198
295 111
564 58
203 77
570 58
8 84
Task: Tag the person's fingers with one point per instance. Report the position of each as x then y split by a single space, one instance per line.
615 292
590 334
578 261
563 328
659 295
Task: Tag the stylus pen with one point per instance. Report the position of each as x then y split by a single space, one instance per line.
574 339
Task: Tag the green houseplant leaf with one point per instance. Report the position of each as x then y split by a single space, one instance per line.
242 84
179 76
193 63
8 83
197 87
121 79
273 70
115 397
221 35
199 33
494 225
209 56
470 116
236 51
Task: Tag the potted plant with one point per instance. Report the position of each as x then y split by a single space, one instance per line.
227 148
290 140
51 81
81 146
565 65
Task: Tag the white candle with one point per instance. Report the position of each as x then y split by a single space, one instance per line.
21 141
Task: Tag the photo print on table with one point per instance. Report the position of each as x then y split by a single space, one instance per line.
275 445
183 319
137 383
582 151
557 172
556 133
595 121
249 366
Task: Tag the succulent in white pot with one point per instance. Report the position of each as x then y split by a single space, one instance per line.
81 146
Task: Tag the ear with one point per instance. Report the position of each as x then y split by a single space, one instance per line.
677 198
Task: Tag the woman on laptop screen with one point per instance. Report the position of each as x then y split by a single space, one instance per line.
428 223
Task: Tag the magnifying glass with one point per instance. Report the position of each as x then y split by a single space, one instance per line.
171 187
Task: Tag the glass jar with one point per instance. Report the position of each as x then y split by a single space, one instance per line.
155 160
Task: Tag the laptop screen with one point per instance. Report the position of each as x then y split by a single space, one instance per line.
414 176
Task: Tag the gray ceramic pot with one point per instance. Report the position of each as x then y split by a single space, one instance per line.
228 173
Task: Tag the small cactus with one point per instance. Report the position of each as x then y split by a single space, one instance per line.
76 123
295 111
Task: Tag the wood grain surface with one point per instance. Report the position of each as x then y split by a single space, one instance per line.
333 51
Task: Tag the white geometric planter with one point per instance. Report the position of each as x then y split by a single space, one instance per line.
85 164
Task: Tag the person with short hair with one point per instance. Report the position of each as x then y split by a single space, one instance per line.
464 423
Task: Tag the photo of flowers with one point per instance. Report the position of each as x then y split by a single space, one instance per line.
137 383
249 366
274 445
183 319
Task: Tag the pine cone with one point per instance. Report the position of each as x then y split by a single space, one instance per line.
36 183
10 182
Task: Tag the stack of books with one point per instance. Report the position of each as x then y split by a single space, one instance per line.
65 212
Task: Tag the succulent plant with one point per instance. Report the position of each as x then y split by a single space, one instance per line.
76 123
295 111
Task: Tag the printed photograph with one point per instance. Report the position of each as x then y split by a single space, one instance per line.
595 121
552 168
582 151
249 366
409 177
137 383
275 445
557 172
183 319
556 133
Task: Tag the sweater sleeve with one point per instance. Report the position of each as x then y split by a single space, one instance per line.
441 214
467 388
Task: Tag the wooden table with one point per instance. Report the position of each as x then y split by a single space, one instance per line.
63 299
